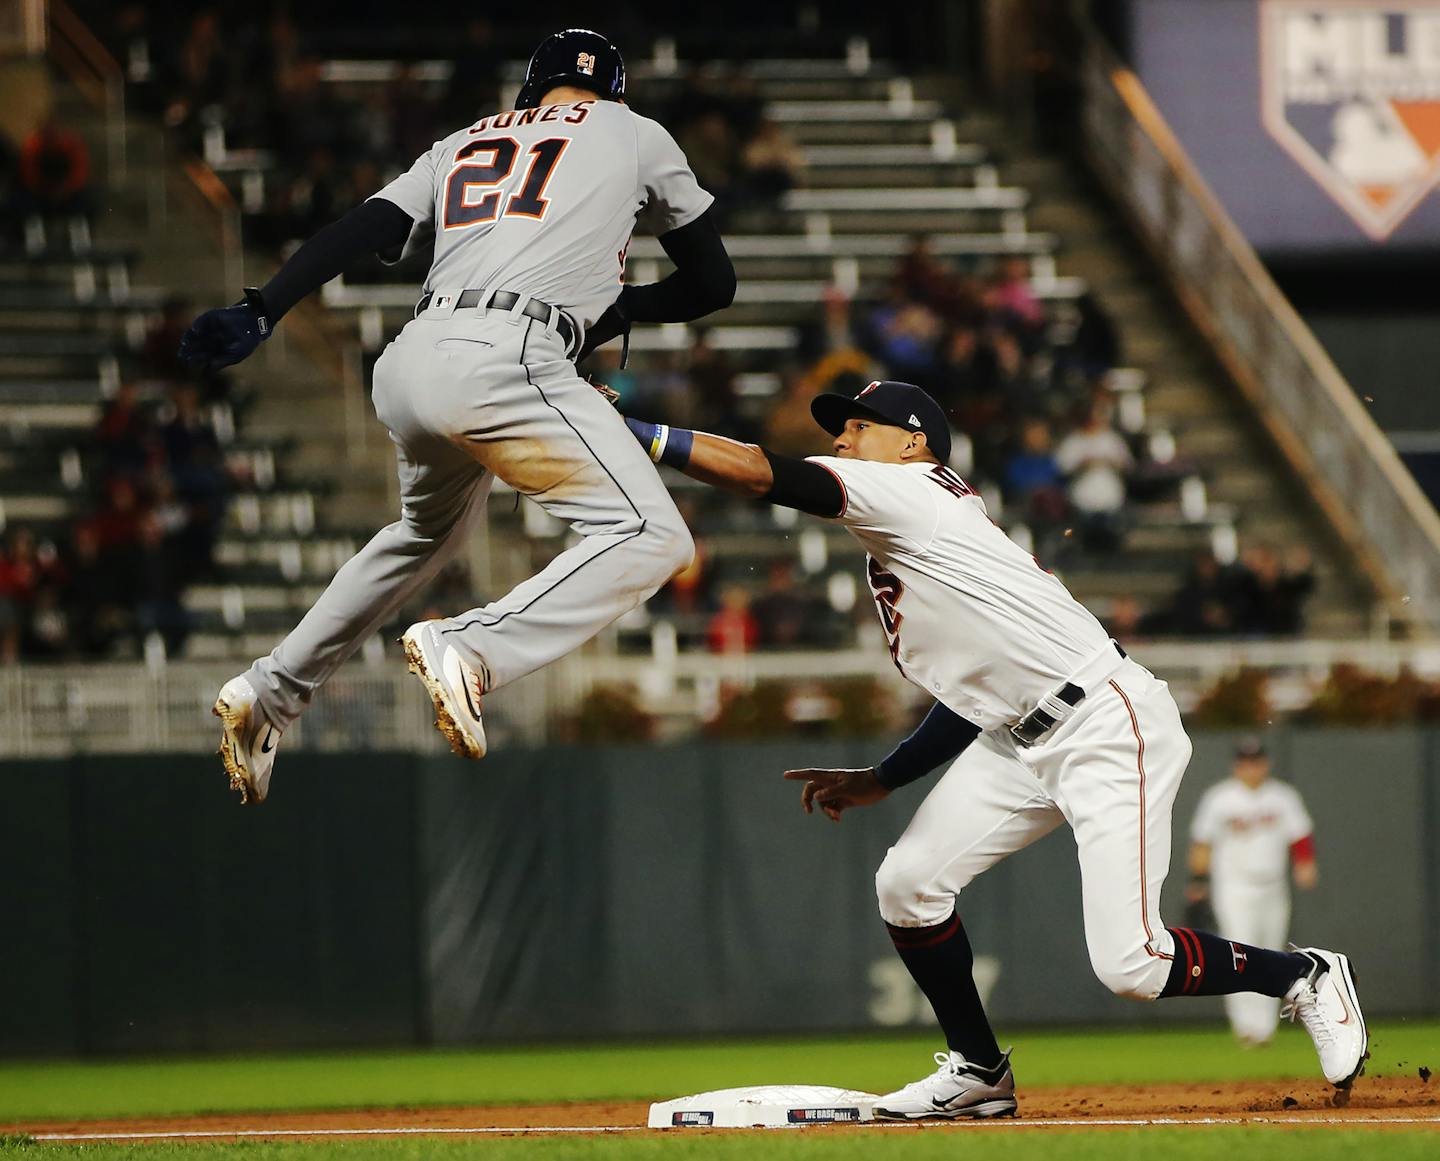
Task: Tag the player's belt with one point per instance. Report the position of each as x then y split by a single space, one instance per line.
1054 708
506 300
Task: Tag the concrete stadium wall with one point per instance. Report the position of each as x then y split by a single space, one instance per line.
569 893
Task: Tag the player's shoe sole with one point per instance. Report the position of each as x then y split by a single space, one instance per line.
427 666
986 1110
236 717
1339 975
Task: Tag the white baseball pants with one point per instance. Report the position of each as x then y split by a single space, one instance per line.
1111 771
1257 914
467 397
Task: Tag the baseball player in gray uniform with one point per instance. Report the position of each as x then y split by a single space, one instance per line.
531 211
1042 720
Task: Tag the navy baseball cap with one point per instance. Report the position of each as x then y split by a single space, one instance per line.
1250 746
897 404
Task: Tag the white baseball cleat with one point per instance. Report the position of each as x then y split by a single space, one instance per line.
1324 1000
956 1089
453 686
247 742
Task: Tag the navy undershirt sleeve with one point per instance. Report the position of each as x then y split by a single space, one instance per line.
370 228
703 281
937 740
803 485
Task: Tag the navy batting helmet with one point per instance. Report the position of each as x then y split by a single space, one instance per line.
578 57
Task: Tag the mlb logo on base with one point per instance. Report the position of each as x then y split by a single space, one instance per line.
1351 90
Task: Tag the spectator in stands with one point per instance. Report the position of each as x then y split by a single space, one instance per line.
1094 459
156 588
159 358
126 433
196 74
10 621
1033 480
710 142
116 522
1204 604
54 173
1270 595
784 614
31 578
1095 348
772 163
924 278
48 629
790 428
408 115
474 86
1011 301
712 376
93 599
197 466
687 594
1125 619
905 335
966 383
733 628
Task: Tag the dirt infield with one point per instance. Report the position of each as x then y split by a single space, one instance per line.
1394 1101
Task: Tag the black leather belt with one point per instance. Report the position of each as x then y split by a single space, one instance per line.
1039 721
506 300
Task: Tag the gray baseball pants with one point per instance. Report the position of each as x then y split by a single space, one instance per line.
469 396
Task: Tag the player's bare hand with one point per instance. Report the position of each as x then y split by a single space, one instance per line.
607 393
835 791
1307 875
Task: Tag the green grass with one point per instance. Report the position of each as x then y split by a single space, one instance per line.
35 1091
979 1144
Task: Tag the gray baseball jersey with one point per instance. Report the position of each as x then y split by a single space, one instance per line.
540 202
543 201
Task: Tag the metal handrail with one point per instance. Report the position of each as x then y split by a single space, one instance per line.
132 707
1329 438
97 76
216 195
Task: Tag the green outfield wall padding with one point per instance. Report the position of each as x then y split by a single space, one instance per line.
581 892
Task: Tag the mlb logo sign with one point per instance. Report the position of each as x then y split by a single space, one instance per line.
1351 90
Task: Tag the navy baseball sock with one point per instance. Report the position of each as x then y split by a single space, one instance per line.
1206 965
941 962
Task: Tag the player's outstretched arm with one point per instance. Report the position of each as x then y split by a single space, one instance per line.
702 282
220 338
745 468
937 741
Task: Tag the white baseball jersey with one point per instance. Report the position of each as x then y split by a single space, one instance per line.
1250 831
971 617
583 170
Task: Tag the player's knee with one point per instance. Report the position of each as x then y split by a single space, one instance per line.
672 544
1132 973
902 889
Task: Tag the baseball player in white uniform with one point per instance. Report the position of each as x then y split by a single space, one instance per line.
1042 720
1250 833
531 210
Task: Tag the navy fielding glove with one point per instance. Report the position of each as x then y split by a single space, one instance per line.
220 338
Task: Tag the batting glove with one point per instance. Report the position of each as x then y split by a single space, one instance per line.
221 338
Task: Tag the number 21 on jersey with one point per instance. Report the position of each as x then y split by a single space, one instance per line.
471 196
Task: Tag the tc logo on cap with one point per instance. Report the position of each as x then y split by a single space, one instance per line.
585 63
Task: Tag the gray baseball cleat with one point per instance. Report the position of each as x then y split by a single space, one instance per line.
247 742
956 1089
1324 1000
453 686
